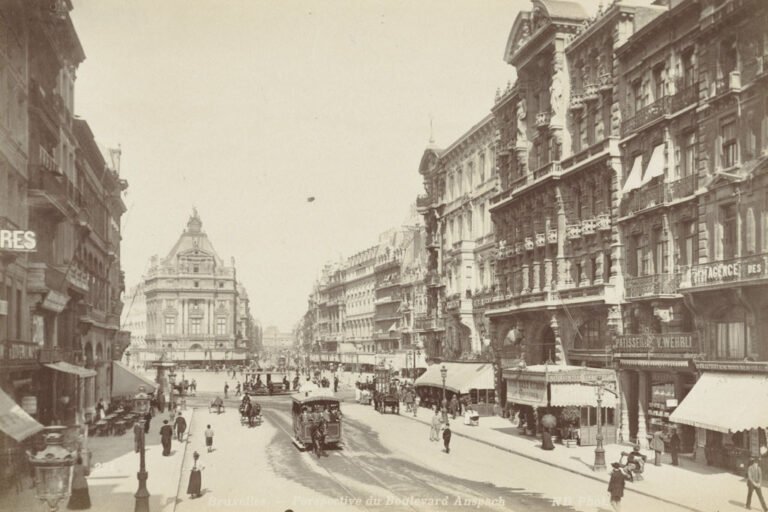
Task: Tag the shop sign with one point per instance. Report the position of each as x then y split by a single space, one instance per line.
20 350
719 272
18 240
668 342
55 301
527 391
726 366
38 329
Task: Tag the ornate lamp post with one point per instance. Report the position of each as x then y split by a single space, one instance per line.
141 407
444 374
53 468
599 450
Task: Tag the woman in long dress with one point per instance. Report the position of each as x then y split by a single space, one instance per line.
195 479
80 499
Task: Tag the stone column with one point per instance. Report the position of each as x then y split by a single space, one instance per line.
625 401
585 271
548 274
526 279
643 392
599 262
536 276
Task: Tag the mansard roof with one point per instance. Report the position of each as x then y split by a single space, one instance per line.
193 241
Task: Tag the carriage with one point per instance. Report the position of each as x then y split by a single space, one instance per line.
385 392
266 383
312 403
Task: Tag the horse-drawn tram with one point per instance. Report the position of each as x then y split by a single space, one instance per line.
266 383
316 419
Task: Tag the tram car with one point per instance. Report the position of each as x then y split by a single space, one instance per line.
307 411
385 392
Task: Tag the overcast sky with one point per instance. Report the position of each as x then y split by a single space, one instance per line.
245 108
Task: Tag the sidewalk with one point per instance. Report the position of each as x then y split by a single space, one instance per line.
691 485
112 482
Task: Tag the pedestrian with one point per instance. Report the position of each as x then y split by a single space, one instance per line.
195 479
436 422
194 386
754 482
166 434
100 410
237 389
80 499
138 430
416 403
657 445
447 437
147 419
674 447
209 438
616 485
181 426
335 383
226 389
455 407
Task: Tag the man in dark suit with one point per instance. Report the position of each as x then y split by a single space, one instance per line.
616 485
166 435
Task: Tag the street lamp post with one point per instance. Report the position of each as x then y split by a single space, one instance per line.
599 450
444 374
141 407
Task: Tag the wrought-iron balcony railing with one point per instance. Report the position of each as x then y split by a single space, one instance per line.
663 106
659 193
652 286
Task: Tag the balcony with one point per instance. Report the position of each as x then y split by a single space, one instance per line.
432 241
529 245
573 231
542 120
541 240
662 107
662 343
605 82
604 222
658 194
653 286
588 226
581 292
552 236
723 86
577 100
423 201
433 280
47 162
546 170
735 271
591 92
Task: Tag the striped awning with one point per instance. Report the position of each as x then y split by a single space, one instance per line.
14 421
725 402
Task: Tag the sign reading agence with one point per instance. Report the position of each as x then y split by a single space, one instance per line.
18 240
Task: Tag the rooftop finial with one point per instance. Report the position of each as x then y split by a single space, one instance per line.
431 131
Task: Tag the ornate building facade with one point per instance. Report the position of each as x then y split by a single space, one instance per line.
460 181
192 304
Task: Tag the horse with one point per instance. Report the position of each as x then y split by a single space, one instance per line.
318 439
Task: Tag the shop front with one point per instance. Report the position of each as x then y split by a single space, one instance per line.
728 408
473 382
571 394
656 374
17 429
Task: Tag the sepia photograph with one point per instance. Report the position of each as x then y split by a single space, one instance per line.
383 255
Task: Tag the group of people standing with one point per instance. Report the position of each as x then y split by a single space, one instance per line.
440 427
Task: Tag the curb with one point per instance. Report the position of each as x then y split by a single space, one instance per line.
555 465
179 487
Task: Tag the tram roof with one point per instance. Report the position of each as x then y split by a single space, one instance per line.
315 395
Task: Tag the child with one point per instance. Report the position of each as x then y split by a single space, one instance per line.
447 437
209 438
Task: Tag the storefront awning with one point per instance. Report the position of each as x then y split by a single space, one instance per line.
725 402
125 382
14 421
560 386
63 366
460 377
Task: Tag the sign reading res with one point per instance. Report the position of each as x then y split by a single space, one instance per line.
18 240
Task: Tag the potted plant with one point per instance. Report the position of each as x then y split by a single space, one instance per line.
548 422
569 419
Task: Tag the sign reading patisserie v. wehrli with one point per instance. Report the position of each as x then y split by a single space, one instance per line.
18 240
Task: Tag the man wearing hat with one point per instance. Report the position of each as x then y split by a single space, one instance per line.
754 482
616 485
166 434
